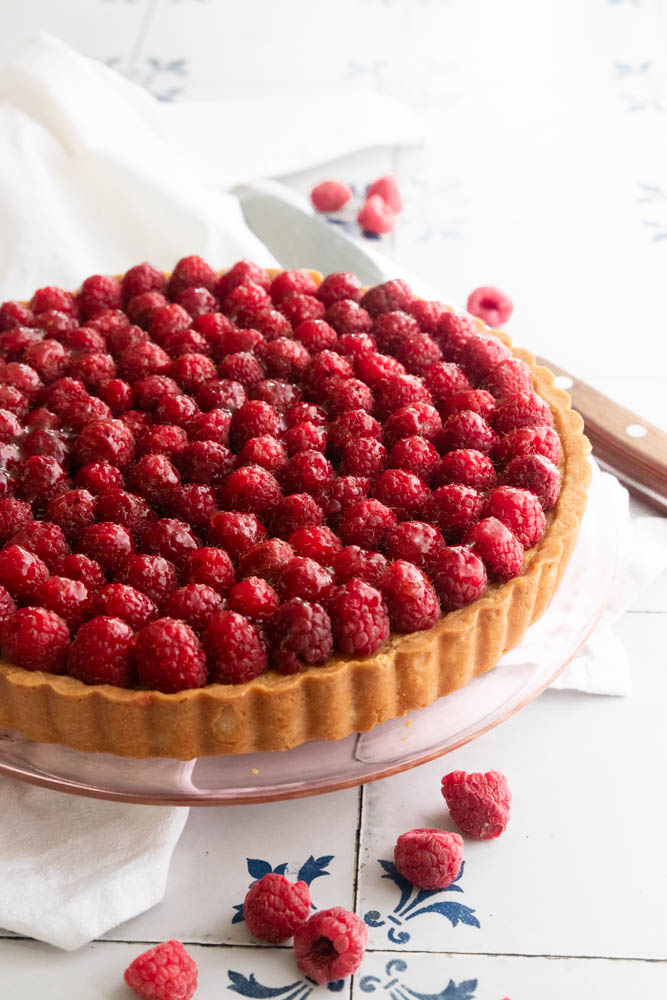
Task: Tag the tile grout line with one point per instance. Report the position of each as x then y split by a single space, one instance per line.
357 861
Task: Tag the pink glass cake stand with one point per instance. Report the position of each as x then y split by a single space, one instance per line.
394 746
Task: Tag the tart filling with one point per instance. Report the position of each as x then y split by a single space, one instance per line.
243 510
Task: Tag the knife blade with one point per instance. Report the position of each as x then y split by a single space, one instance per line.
297 238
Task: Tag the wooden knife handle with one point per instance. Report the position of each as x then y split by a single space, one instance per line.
628 445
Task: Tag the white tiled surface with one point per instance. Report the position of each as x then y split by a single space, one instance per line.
571 900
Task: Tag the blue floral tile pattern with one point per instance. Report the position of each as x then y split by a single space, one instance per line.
398 990
248 986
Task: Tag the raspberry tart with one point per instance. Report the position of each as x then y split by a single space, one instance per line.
242 510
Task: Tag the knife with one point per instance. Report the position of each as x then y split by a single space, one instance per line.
623 443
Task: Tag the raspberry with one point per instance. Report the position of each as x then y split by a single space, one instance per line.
251 490
352 561
341 285
120 340
248 298
235 532
149 391
315 542
348 394
368 460
93 369
418 353
73 512
169 656
15 314
80 340
235 650
350 426
467 430
366 523
356 345
295 511
195 604
141 360
42 419
152 575
340 493
13 400
78 567
102 653
176 410
191 371
109 544
453 509
429 859
10 428
269 322
243 272
529 441
387 188
289 283
416 542
165 972
278 394
253 419
44 539
274 908
401 491
376 217
242 367
142 308
300 635
108 323
137 420
411 600
235 340
196 301
167 439
415 454
299 308
324 366
330 945
142 278
212 426
285 359
307 472
171 539
397 391
458 576
495 544
40 478
478 400
508 378
23 378
525 409
104 441
490 304
98 477
347 316
372 368
254 598
191 272
478 803
266 560
46 299
118 600
223 393
125 509
418 418
445 380
36 639
67 397
537 474
316 335
117 394
481 354
194 503
305 437
329 196
452 333
520 511
426 313
13 515
66 598
210 566
7 606
467 467
359 617
45 442
98 293
214 328
305 578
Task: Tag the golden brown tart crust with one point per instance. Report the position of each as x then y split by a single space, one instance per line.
276 712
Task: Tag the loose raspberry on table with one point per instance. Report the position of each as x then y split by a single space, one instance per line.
415 541
269 322
467 467
50 297
366 523
401 491
152 575
359 618
211 566
494 543
80 567
427 313
458 575
340 493
165 972
242 272
387 188
65 597
524 409
307 579
254 598
353 561
467 430
391 329
169 657
108 544
14 314
253 419
537 474
478 400
453 509
242 367
73 512
166 439
305 436
410 598
316 542
14 514
194 503
478 803
120 340
236 532
330 196
529 441
142 278
490 305
300 632
172 539
98 477
341 285
415 454
104 441
117 394
40 478
348 316
118 600
236 652
330 945
46 540
299 308
266 559
197 301
195 604
274 907
221 394
362 460
376 217
429 859
98 293
288 283
252 490
297 510
520 510
36 639
372 368
398 391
